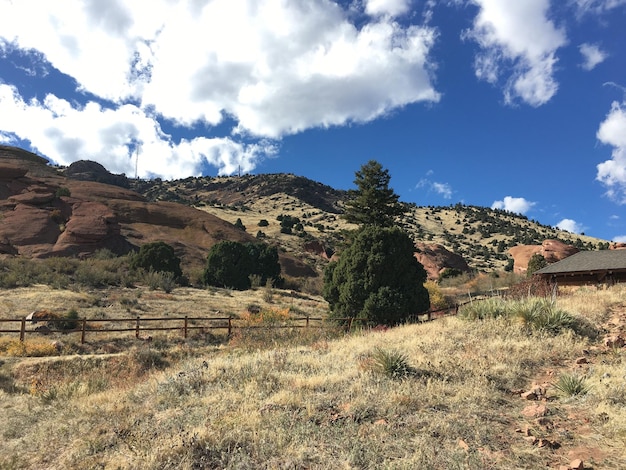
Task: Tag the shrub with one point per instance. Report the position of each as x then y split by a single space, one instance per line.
239 224
263 223
160 280
483 309
231 264
159 257
62 191
69 321
437 299
147 359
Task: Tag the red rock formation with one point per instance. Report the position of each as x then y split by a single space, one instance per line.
435 258
551 250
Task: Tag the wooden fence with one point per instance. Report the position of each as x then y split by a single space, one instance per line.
140 325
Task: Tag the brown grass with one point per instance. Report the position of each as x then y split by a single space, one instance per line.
313 404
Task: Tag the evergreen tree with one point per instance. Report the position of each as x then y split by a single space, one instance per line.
374 202
377 278
535 263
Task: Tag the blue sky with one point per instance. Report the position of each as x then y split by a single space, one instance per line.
514 104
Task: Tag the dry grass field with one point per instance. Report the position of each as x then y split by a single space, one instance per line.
448 394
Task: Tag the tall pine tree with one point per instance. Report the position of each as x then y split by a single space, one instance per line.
374 202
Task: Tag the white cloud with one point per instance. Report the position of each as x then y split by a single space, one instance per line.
387 7
596 6
612 173
518 205
518 40
619 239
570 226
65 134
592 55
275 67
443 189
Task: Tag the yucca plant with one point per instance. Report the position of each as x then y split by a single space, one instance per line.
571 385
393 364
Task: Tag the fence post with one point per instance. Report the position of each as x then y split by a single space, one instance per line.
137 328
185 328
307 321
350 324
230 325
82 332
22 329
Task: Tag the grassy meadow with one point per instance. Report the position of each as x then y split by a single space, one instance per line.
447 394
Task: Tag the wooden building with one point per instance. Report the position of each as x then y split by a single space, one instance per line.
587 268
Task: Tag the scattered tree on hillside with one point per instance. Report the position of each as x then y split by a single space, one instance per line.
377 278
239 224
374 202
230 264
157 257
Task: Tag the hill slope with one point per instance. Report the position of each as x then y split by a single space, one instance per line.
481 235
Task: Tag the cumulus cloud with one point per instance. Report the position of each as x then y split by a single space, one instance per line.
274 68
387 7
518 205
612 173
66 133
619 239
592 55
570 226
517 40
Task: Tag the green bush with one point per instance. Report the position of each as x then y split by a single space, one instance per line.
232 264
377 278
158 257
62 192
69 322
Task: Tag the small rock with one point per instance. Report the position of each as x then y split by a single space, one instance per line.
535 411
463 445
577 464
581 360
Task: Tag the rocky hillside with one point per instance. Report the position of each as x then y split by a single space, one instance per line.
43 213
479 235
47 211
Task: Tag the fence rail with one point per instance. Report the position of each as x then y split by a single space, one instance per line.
140 325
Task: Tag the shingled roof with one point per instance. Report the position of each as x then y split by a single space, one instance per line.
588 261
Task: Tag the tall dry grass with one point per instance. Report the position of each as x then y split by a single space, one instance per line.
319 404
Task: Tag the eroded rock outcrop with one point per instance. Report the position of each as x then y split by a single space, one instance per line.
551 250
435 258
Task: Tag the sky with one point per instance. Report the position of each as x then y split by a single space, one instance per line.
512 104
